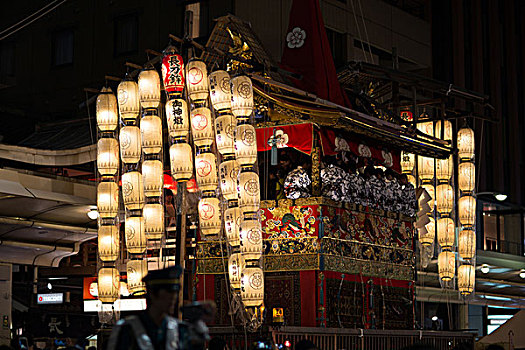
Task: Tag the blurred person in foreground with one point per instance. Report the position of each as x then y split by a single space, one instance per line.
156 328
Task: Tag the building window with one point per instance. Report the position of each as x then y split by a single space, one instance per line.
62 47
7 59
337 43
126 34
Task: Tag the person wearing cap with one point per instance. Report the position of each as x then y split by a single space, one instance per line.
155 328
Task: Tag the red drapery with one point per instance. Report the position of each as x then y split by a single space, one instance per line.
298 136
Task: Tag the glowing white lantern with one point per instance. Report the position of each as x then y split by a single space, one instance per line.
445 199
149 89
467 177
232 225
209 216
151 131
467 244
225 133
446 265
135 235
446 233
427 236
249 192
425 168
252 286
220 90
130 144
181 160
466 279
107 115
206 171
197 80
108 284
107 156
235 264
108 242
242 96
426 128
466 144
412 180
133 190
228 173
107 199
444 169
251 240
467 211
153 214
128 100
246 145
431 192
177 118
408 160
447 132
152 174
136 271
202 127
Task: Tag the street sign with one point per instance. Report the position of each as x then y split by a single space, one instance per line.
51 298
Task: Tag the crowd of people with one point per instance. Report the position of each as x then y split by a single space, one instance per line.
343 181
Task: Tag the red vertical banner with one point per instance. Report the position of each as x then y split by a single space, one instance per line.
308 298
206 287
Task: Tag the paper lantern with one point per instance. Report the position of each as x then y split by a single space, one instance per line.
467 177
177 118
444 199
107 156
446 265
431 192
428 234
408 161
153 214
151 131
249 192
251 241
149 89
209 216
108 284
128 100
466 144
466 279
107 115
172 71
446 233
232 225
108 242
107 199
202 127
153 180
206 171
447 134
197 80
252 286
135 235
467 243
225 134
412 180
228 173
242 96
181 161
246 145
235 264
444 169
133 190
426 128
130 144
467 211
425 168
136 271
220 90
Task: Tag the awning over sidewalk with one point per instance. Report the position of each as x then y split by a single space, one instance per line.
511 332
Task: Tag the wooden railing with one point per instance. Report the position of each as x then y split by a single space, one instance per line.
352 339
